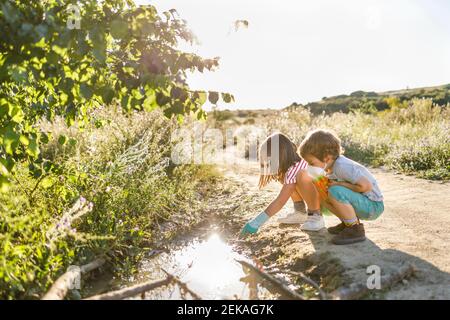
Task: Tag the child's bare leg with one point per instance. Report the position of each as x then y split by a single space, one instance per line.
342 210
296 197
299 204
310 195
308 191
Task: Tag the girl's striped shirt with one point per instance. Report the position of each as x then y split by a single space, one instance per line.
291 174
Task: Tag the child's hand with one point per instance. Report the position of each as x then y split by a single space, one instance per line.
253 225
338 183
248 229
362 185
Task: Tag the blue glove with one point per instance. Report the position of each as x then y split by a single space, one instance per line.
248 229
253 225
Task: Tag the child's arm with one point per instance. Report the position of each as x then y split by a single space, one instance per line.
362 185
278 203
254 224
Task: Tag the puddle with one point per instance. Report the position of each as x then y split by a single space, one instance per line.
207 264
208 267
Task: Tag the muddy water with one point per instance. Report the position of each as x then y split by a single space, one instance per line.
205 261
209 268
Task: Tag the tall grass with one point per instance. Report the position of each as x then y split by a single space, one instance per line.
107 196
412 137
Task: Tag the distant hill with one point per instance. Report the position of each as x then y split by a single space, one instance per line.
375 101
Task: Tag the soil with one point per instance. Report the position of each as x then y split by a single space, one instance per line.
413 229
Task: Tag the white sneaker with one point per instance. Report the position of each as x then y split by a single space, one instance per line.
313 223
293 218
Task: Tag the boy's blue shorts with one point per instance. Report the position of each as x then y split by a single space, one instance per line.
365 208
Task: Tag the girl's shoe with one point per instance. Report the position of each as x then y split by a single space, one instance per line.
313 223
293 218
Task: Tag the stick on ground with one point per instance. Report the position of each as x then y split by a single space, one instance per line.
144 287
182 285
309 281
132 291
277 284
63 284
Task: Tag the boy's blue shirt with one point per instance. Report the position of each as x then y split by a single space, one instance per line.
345 169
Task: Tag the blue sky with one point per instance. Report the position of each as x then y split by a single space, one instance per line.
301 51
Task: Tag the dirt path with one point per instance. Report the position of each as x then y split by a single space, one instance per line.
414 228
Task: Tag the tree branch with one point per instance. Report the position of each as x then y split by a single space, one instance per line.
308 280
277 284
132 291
62 285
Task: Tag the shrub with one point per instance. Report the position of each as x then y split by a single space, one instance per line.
411 136
416 111
424 159
123 169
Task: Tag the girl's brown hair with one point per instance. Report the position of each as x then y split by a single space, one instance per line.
320 143
287 156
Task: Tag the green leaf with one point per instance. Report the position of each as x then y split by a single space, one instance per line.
213 97
162 99
62 139
86 91
200 97
42 30
227 98
201 115
7 163
24 140
99 123
16 114
44 138
3 169
107 95
33 148
10 14
4 107
10 141
19 75
125 102
119 29
149 103
47 182
72 142
99 54
176 92
4 184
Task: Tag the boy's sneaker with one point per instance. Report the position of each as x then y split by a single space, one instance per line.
337 229
350 235
313 223
292 218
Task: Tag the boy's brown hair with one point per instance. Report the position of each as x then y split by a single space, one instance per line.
320 143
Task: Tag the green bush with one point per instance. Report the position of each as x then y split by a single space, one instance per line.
372 101
222 115
108 196
373 154
411 136
425 160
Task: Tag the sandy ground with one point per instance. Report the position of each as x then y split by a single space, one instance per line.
415 227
